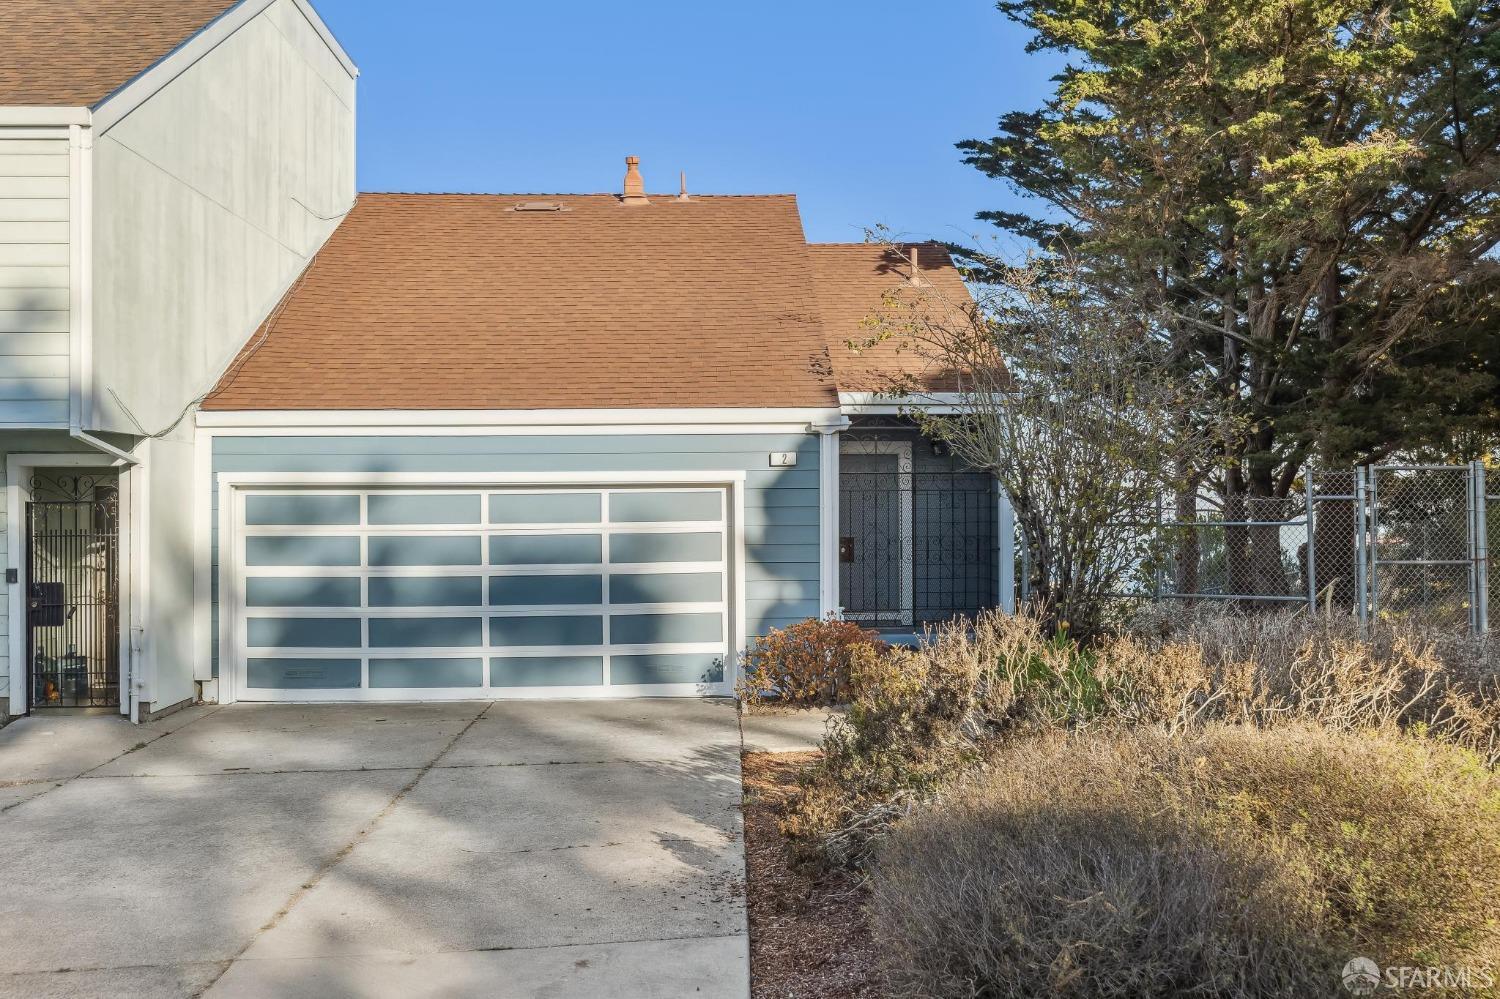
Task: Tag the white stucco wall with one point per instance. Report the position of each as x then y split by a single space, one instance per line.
207 202
165 581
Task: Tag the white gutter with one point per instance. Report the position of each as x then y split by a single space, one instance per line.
527 418
43 117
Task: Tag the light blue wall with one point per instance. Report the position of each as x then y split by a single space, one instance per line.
781 504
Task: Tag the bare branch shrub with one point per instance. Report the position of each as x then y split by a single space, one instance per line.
922 720
1077 408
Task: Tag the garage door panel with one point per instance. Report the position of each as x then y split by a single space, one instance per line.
302 591
321 552
426 632
666 588
547 671
304 674
698 667
424 509
423 550
530 591
547 549
303 633
560 630
426 591
429 674
665 629
663 547
661 507
546 508
301 510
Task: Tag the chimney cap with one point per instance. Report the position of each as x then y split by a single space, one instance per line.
635 185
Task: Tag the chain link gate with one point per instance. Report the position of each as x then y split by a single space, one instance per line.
1376 541
1427 544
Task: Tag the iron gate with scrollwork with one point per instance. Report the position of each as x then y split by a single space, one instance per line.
917 539
73 595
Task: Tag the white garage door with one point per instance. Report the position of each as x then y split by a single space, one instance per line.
423 594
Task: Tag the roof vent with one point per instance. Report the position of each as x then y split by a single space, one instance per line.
916 267
539 206
635 186
682 194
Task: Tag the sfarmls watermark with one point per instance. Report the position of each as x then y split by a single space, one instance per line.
1363 977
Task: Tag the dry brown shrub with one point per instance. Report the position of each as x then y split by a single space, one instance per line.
805 665
922 719
1266 669
1225 861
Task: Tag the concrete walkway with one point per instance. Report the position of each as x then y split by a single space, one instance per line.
521 848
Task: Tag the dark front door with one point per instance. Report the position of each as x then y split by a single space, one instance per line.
73 600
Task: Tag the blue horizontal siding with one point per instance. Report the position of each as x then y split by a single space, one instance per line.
780 504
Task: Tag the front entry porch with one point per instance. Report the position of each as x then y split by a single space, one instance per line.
921 536
72 589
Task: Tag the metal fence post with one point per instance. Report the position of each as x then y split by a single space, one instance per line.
1361 567
1479 530
1312 546
1160 552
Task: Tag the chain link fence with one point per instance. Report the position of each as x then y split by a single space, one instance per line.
1378 542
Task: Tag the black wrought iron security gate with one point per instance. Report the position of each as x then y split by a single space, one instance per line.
73 597
916 546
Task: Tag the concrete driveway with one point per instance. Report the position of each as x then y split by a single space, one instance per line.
520 848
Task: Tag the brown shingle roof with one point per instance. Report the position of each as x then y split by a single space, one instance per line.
461 302
860 284
75 53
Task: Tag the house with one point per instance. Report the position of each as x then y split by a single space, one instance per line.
267 441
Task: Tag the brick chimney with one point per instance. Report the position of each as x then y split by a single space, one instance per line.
635 186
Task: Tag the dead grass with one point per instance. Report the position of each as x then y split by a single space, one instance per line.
1229 861
809 935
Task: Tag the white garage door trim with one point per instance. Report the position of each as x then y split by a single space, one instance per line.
235 486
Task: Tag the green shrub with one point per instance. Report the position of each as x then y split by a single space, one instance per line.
805 665
1226 861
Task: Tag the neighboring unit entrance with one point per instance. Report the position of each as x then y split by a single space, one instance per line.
436 593
73 593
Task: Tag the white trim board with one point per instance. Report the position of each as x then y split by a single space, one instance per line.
43 117
131 95
234 485
390 421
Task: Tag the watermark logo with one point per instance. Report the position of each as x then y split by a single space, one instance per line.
1362 976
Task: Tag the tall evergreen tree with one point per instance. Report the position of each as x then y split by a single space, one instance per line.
1305 193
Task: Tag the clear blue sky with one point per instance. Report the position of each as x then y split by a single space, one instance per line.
853 106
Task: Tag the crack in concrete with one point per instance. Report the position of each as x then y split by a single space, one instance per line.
85 775
338 858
